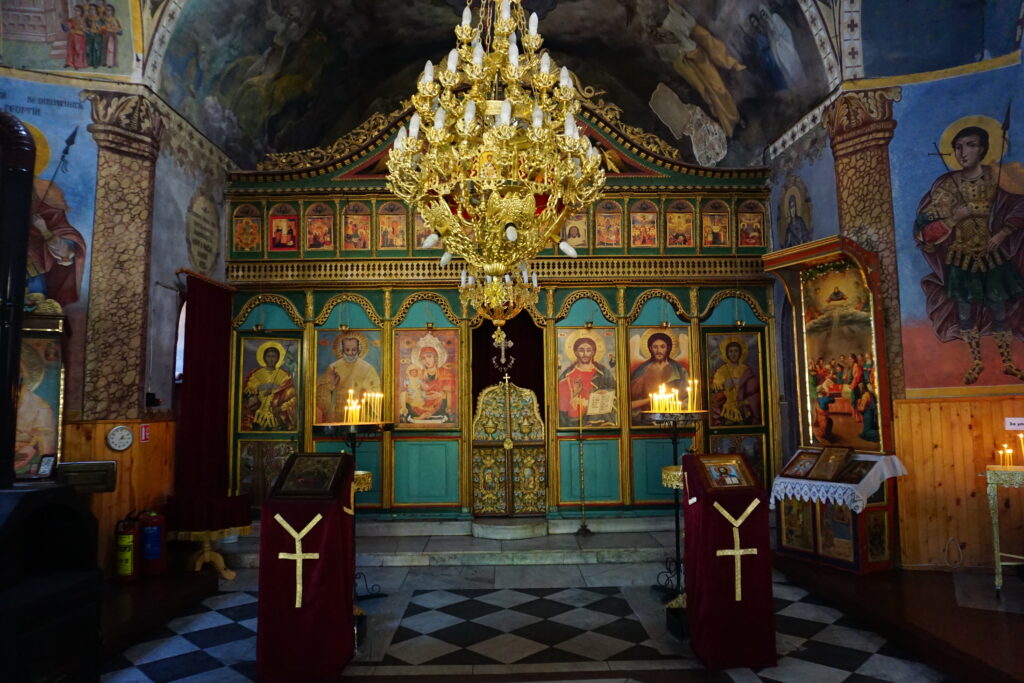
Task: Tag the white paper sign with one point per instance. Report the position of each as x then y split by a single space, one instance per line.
1014 424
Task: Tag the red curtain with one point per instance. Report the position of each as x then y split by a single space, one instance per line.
201 501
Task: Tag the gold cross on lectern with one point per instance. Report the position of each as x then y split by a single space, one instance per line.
298 556
736 551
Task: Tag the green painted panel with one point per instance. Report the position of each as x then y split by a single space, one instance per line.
423 312
657 310
367 458
649 456
600 467
583 311
426 472
271 316
731 309
349 314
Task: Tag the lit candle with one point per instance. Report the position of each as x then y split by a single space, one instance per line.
1020 436
1004 453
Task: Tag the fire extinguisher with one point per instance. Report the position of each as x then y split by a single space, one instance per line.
126 535
154 543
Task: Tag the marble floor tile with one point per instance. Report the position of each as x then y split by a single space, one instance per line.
850 637
742 676
222 675
420 649
507 648
235 651
506 598
792 670
577 597
430 621
785 643
132 675
625 540
594 645
507 620
478 576
440 544
390 579
383 617
638 574
437 598
811 612
538 576
228 600
585 619
555 542
651 613
158 649
197 622
788 592
897 670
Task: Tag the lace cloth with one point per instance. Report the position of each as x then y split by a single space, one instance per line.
854 496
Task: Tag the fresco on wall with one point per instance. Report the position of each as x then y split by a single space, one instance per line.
804 191
839 348
900 37
89 38
281 75
958 194
60 235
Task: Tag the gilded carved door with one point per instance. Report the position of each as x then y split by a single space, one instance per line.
509 462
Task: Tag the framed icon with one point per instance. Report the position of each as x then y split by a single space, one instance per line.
726 472
801 464
854 471
830 463
311 475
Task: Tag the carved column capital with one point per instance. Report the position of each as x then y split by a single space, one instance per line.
128 124
859 119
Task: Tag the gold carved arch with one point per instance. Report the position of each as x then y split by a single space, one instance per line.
426 296
601 302
360 301
531 309
638 305
724 294
251 304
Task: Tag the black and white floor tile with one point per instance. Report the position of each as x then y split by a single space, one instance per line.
465 630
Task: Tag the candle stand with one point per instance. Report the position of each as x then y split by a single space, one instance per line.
353 433
672 476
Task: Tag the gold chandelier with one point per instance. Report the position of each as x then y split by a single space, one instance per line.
493 158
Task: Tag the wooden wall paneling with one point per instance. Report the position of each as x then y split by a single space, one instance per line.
145 473
945 444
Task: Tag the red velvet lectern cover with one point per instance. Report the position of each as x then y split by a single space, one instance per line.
725 632
313 642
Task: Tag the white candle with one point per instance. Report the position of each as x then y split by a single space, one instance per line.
467 17
506 11
446 258
533 23
428 72
453 60
545 63
470 112
439 119
538 116
506 112
414 126
563 78
478 54
535 280
462 278
513 54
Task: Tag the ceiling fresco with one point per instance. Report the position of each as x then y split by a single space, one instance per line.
720 79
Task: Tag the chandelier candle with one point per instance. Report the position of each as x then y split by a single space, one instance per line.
501 162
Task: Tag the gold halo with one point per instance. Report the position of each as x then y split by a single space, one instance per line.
986 123
677 347
744 349
42 148
590 334
429 340
33 365
263 349
364 343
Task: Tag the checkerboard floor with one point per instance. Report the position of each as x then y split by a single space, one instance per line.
461 631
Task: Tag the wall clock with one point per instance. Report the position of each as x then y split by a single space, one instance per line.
120 438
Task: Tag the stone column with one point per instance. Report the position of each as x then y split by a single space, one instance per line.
127 130
861 125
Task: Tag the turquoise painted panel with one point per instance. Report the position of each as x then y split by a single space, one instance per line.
350 314
649 456
656 311
367 458
423 312
600 467
582 312
729 310
426 472
270 316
